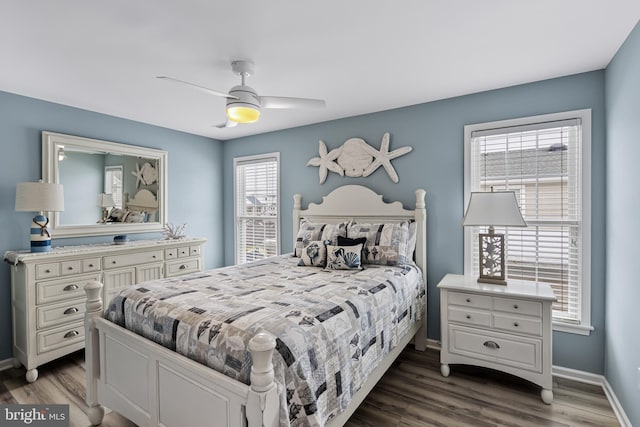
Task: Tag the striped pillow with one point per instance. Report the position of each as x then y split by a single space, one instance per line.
310 231
387 243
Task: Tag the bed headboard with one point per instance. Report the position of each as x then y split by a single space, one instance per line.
365 205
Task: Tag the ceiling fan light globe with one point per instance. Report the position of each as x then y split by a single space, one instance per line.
243 114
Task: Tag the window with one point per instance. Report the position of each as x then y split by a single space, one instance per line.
113 183
546 161
257 207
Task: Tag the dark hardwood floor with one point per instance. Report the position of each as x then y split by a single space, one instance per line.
412 393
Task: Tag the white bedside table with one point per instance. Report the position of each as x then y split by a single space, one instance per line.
503 327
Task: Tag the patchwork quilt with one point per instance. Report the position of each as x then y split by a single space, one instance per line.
331 327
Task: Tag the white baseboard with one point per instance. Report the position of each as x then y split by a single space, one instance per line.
595 379
6 364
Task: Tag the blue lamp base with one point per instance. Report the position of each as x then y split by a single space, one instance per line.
40 236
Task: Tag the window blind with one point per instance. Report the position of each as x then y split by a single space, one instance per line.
256 208
541 163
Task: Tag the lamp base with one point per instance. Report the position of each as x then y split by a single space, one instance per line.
40 236
492 281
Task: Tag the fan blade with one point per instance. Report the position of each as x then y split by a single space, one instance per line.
202 88
228 124
285 102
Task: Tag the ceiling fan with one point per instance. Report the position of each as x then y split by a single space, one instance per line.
244 103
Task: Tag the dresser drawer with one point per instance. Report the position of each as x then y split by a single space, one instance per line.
171 253
60 337
56 314
194 250
470 300
90 264
63 289
184 251
117 261
46 271
519 352
532 308
469 316
70 267
182 267
521 324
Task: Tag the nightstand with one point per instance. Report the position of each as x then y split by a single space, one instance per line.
502 327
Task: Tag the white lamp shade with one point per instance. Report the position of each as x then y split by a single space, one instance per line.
105 200
493 208
39 196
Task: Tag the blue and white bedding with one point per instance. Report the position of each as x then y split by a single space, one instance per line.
332 328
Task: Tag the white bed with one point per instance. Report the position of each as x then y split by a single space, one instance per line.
154 386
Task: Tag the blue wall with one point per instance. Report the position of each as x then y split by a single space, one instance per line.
622 352
195 181
435 131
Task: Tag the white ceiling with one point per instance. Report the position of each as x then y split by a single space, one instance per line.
360 56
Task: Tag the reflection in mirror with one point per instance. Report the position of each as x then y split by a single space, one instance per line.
110 188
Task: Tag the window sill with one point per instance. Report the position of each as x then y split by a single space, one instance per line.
573 329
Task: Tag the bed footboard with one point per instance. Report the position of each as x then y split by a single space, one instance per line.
153 386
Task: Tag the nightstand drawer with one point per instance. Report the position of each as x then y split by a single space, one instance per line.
63 289
60 337
56 314
532 308
470 300
117 261
469 316
519 352
521 324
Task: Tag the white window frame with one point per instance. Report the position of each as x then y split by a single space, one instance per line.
254 159
584 326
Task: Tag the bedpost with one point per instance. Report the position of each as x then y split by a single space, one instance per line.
297 206
92 350
421 259
263 405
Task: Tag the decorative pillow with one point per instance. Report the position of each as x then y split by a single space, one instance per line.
346 241
344 257
386 242
314 254
310 231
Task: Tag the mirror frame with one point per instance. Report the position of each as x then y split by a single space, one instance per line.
51 145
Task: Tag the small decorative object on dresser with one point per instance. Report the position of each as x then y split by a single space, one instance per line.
47 289
175 231
507 328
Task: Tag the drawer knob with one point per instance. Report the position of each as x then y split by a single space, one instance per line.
153 256
183 267
71 334
113 262
70 288
71 310
468 299
515 306
90 265
47 271
516 324
468 316
69 268
491 344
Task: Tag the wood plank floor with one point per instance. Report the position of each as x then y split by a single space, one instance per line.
412 393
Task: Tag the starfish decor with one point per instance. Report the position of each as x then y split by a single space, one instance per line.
326 161
357 158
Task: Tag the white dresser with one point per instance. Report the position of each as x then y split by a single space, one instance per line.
507 328
47 289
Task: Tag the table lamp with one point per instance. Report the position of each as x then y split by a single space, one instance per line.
105 201
492 208
39 197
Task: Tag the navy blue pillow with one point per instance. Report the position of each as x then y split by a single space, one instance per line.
347 241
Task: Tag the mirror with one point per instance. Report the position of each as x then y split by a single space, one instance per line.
109 188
